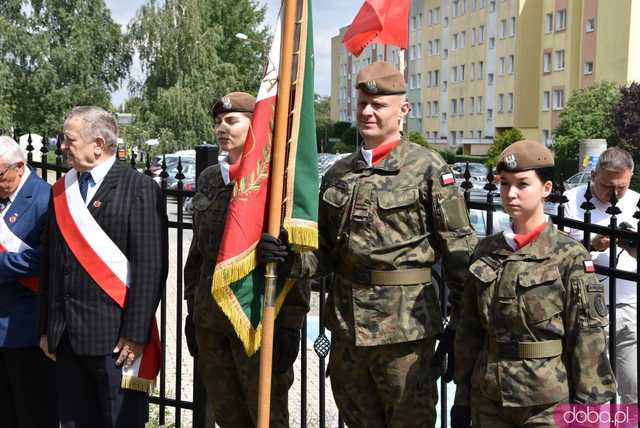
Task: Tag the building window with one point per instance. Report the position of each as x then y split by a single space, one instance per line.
472 74
479 105
558 99
548 23
454 107
454 73
503 29
492 42
436 15
559 60
461 71
455 8
444 86
489 115
545 137
436 44
473 36
510 104
412 111
430 47
472 105
446 53
444 117
490 79
546 62
510 64
461 136
463 39
546 101
419 51
454 42
500 103
480 70
492 6
588 67
436 75
561 20
430 17
461 105
513 26
419 109
501 66
481 34
436 108
429 77
419 80
591 25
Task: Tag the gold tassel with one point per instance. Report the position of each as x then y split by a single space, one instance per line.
302 234
135 383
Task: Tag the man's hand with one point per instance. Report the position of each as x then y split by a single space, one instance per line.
129 351
44 345
276 250
600 243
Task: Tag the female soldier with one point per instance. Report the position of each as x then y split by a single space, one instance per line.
532 328
229 375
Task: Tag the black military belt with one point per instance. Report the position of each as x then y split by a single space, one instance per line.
526 350
387 277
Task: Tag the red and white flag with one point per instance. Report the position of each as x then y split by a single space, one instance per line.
379 21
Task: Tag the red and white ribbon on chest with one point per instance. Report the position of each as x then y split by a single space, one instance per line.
9 242
108 267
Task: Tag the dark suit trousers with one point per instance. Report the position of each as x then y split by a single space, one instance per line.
89 392
27 397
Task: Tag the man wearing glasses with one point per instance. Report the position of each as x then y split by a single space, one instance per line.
24 371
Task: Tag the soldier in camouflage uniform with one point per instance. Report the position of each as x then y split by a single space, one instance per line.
230 377
387 213
532 327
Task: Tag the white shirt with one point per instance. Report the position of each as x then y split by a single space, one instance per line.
367 154
12 197
223 162
625 290
98 174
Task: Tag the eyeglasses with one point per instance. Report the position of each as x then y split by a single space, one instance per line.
5 171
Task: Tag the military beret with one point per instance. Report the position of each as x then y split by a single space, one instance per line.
380 78
524 155
234 102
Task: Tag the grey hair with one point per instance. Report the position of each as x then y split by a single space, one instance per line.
615 159
10 151
98 123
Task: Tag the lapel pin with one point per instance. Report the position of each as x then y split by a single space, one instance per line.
13 218
97 204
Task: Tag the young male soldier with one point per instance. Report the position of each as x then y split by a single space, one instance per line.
387 213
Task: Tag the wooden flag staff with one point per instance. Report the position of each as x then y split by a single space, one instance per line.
275 207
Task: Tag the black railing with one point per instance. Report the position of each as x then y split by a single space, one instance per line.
483 200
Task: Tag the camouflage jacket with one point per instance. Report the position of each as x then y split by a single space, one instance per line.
541 292
209 213
395 215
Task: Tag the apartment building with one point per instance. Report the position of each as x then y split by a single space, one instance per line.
474 67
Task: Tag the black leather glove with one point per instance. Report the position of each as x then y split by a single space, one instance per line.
272 249
445 351
460 416
286 345
190 334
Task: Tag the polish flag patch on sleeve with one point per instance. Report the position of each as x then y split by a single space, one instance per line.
589 267
447 179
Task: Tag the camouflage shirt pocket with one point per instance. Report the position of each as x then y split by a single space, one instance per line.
542 295
399 211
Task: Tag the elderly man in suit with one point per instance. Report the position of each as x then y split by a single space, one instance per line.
25 387
107 264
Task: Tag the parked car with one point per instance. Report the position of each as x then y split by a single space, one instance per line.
577 179
171 160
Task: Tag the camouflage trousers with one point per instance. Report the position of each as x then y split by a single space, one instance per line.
231 381
387 386
487 413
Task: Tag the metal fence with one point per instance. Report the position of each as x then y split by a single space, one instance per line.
206 155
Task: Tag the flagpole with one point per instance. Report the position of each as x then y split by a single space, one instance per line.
275 207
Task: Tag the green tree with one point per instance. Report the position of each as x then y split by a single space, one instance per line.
59 54
417 138
625 119
324 124
501 141
183 48
586 115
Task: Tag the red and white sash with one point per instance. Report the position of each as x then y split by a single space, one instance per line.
107 265
9 242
